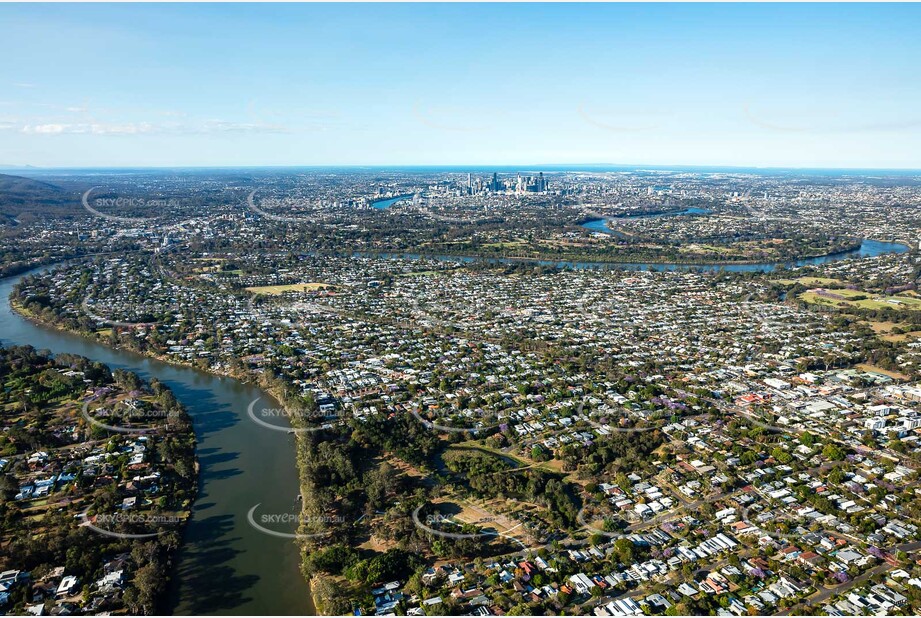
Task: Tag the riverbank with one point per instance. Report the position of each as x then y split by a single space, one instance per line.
24 313
258 379
225 566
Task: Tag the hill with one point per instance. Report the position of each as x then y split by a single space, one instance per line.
24 197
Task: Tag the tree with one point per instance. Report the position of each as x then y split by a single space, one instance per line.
333 600
147 581
623 549
781 455
333 559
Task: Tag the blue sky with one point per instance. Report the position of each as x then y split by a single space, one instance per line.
803 85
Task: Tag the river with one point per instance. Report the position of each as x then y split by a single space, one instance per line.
868 248
386 203
601 225
225 565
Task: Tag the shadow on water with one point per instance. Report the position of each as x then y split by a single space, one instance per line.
210 473
218 588
211 416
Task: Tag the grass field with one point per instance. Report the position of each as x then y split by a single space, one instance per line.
419 273
874 369
849 298
508 244
469 446
521 461
883 330
697 248
813 281
274 290
468 511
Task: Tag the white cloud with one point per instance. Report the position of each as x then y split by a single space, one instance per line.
221 126
81 128
45 128
142 128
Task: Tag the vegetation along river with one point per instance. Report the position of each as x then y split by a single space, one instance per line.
225 566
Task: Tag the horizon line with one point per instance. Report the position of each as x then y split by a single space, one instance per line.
24 168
